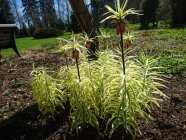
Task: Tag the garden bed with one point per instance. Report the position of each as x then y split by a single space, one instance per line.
20 118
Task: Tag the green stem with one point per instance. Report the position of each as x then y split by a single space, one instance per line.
122 49
67 59
77 65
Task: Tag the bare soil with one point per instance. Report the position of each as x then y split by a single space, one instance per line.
21 120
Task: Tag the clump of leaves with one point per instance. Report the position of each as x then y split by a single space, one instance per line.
46 91
80 95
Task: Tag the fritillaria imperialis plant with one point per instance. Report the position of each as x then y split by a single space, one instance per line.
74 45
119 16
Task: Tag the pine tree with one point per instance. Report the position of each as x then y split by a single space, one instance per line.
31 12
48 13
173 11
17 14
165 10
6 16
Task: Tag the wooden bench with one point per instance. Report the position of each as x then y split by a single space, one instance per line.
7 37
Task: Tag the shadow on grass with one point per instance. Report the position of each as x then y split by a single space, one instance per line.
30 125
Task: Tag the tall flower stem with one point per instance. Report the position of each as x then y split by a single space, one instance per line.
67 59
77 65
122 48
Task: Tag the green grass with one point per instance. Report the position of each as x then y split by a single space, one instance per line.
173 40
165 34
167 44
134 26
27 43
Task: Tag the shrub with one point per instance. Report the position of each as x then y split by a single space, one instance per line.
47 33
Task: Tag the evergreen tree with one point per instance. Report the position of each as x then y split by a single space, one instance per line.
173 11
165 10
6 16
16 12
48 13
178 12
31 12
150 13
60 24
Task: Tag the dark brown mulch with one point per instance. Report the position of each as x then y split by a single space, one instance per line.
15 89
169 121
21 120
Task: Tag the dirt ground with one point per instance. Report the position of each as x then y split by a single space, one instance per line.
21 120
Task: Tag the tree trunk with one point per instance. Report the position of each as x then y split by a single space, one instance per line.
86 22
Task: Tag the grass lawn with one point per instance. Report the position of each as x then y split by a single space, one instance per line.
26 43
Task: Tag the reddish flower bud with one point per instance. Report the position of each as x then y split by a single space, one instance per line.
65 54
75 54
128 44
120 28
